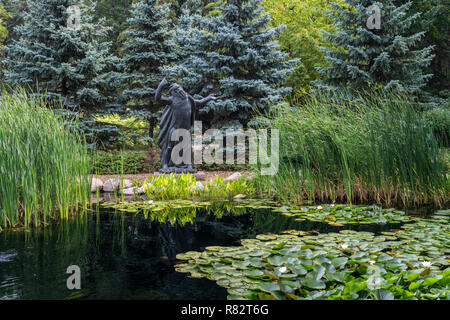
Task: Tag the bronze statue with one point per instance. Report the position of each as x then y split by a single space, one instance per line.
179 113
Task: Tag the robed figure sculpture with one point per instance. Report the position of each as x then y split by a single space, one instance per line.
179 113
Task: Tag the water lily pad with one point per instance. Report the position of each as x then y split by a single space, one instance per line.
313 283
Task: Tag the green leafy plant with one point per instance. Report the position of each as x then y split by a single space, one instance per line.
185 186
131 129
218 188
176 211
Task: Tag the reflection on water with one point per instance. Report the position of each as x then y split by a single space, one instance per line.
129 256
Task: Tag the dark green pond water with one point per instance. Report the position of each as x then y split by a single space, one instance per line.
128 256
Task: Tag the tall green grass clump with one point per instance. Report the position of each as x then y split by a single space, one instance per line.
374 148
43 166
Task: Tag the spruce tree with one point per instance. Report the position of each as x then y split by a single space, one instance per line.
235 56
3 31
59 54
67 62
384 57
147 48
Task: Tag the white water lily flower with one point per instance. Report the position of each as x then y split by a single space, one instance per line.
283 269
426 264
343 246
371 262
150 201
332 205
319 208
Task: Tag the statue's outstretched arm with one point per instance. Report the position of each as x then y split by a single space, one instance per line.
158 93
205 100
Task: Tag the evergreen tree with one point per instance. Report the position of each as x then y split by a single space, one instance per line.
383 57
16 9
435 21
147 48
233 55
66 62
58 53
3 31
202 7
114 14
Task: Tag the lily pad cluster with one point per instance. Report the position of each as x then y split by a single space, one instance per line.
334 215
157 206
179 211
408 263
340 215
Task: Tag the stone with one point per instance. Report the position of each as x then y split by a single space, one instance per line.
112 185
133 191
239 196
234 176
127 184
201 175
96 184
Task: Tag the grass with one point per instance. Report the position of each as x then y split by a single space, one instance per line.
43 166
366 149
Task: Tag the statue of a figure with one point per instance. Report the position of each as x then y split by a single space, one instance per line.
178 114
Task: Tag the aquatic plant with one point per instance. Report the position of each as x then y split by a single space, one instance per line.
43 165
175 211
185 186
334 215
218 188
164 187
357 149
339 214
344 265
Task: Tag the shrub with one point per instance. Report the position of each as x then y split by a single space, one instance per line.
121 161
131 130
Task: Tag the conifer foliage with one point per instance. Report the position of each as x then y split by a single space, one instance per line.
235 56
384 57
61 53
147 48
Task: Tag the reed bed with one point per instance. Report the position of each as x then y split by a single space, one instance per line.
357 149
43 166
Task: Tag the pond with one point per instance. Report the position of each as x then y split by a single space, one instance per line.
132 255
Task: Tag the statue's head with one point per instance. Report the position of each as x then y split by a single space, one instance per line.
177 91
